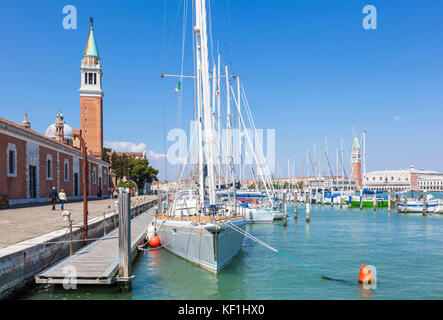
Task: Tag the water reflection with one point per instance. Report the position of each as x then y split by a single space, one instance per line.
365 291
182 279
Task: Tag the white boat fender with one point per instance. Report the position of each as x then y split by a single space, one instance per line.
151 231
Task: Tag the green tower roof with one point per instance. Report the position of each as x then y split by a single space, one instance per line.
91 47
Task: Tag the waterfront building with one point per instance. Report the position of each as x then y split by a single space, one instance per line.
404 179
32 163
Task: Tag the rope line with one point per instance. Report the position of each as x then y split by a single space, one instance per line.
250 236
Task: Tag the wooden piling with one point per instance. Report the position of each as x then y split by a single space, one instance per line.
425 204
295 204
285 218
389 200
70 236
159 204
361 199
375 201
341 200
308 207
406 202
104 223
124 243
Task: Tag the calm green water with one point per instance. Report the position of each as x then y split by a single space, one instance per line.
407 251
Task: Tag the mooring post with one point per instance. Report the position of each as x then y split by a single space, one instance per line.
70 237
308 206
285 205
323 197
295 204
389 200
375 200
406 202
124 243
425 204
159 204
341 199
361 199
104 223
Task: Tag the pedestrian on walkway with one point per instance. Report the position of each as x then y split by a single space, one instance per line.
53 197
62 197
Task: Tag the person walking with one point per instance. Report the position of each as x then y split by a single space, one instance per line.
62 197
53 197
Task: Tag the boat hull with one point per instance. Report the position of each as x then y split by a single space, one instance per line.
259 216
201 244
381 203
417 207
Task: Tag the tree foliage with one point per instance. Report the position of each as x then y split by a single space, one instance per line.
105 156
137 170
141 172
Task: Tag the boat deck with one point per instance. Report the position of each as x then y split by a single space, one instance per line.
198 219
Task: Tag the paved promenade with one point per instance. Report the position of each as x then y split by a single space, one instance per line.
22 224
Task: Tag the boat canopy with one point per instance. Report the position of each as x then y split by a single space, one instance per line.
366 191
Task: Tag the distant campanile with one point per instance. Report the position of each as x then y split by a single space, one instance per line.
356 164
91 97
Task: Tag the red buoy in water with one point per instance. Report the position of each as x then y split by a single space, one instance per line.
365 275
154 241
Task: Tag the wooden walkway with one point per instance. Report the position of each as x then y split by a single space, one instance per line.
97 263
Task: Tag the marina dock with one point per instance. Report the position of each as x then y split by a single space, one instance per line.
97 263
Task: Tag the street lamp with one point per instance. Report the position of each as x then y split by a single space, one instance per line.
85 185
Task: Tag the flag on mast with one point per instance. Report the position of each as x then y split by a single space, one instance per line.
178 87
217 92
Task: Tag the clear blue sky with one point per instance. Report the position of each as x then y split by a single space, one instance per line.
309 68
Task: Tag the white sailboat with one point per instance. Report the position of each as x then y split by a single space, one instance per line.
196 226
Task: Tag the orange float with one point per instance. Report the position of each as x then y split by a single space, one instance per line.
154 241
365 275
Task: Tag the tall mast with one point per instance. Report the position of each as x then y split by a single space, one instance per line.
206 88
239 130
214 74
219 115
336 166
197 30
342 164
209 131
228 126
315 161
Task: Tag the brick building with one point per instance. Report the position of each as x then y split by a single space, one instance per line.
32 163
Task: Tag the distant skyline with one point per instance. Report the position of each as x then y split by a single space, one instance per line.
309 68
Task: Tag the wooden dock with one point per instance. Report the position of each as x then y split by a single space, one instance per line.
97 263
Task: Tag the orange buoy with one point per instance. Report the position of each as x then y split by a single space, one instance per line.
365 275
154 241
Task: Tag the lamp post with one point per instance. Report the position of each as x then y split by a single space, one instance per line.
85 186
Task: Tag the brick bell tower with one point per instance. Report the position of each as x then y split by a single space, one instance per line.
91 97
356 164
